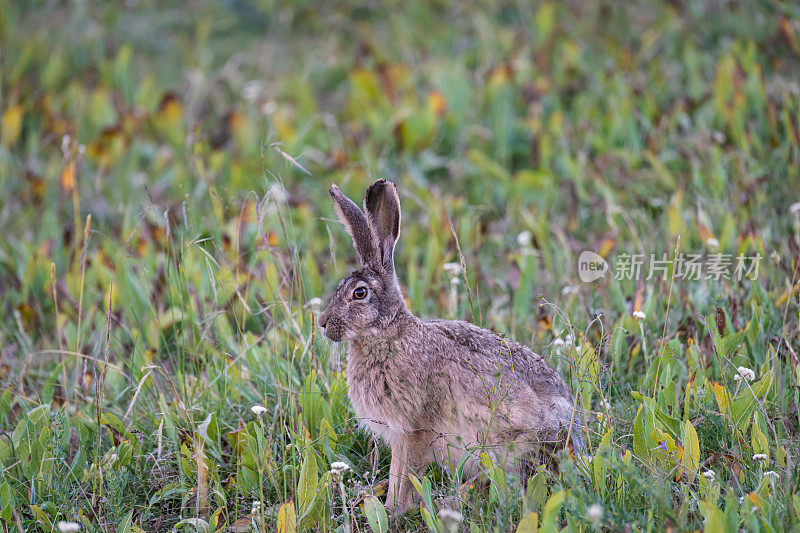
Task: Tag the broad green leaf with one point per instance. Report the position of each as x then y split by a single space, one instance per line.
550 512
599 461
124 525
208 429
6 502
643 426
376 514
759 441
715 520
307 485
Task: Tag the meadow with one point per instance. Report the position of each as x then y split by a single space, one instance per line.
167 242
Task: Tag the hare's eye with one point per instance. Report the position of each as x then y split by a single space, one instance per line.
360 293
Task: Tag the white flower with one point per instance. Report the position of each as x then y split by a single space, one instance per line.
712 242
569 342
315 304
251 90
269 107
453 269
455 281
68 527
256 508
569 289
639 315
66 140
794 208
710 475
558 345
745 373
451 518
278 193
524 239
594 513
771 473
339 467
761 457
258 409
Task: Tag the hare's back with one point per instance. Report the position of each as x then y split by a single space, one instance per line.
485 352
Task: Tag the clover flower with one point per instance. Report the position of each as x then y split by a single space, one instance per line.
594 513
569 289
558 345
524 239
745 373
569 342
314 304
339 467
452 269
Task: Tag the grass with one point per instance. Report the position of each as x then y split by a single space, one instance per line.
166 230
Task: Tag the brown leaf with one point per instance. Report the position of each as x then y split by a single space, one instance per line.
721 322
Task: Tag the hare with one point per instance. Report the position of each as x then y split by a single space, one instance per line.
435 390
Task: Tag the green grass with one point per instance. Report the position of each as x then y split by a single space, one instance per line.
201 140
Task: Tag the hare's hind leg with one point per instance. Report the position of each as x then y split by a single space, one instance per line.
410 454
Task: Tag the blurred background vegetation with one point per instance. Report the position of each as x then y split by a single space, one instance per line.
166 231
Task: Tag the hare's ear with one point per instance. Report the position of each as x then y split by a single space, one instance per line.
356 225
382 205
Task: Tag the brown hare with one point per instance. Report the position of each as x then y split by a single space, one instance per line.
443 390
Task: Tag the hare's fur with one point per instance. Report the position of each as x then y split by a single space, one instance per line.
436 390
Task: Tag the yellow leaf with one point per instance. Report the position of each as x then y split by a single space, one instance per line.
529 523
287 520
68 177
691 455
437 103
606 247
11 125
171 109
723 398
